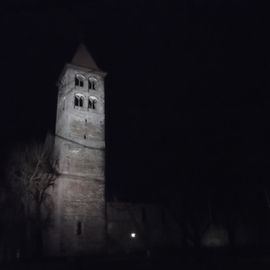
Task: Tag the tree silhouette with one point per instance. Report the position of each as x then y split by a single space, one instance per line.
31 171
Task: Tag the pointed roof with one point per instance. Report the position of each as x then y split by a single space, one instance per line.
83 58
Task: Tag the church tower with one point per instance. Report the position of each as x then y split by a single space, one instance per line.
79 194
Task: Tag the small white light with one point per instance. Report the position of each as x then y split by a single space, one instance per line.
133 235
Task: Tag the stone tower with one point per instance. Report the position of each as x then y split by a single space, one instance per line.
79 201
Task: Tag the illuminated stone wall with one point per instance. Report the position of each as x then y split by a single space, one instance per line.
78 223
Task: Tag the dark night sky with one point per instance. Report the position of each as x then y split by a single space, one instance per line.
187 89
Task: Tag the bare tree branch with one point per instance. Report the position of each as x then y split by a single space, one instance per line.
31 171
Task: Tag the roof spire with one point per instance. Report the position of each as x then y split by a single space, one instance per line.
83 58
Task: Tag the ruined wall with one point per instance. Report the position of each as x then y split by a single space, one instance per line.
134 226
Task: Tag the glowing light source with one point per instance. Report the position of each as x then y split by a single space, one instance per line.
133 235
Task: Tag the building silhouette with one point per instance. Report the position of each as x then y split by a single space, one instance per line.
83 221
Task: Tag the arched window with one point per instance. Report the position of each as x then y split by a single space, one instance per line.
79 79
92 103
78 100
92 84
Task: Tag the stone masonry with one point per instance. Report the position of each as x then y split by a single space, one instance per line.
79 201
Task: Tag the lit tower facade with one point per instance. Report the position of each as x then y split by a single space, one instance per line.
79 194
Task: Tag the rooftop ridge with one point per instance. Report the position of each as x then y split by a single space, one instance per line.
83 58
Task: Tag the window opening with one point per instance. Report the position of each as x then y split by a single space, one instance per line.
78 100
79 228
92 103
81 102
92 84
79 80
